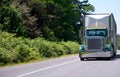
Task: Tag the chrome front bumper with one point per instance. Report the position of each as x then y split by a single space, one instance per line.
93 54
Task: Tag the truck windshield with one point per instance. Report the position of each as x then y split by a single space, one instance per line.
97 32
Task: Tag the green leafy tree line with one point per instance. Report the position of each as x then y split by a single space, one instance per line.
51 19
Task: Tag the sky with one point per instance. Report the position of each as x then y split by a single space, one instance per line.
108 6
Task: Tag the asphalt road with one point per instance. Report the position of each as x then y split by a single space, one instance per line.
66 67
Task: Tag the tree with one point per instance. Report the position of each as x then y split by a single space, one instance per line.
46 13
59 19
4 10
10 18
70 15
51 19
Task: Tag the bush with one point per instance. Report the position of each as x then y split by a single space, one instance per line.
18 49
26 53
7 56
70 47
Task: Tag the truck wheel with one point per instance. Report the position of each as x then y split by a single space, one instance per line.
108 58
82 59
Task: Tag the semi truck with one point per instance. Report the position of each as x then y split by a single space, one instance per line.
98 36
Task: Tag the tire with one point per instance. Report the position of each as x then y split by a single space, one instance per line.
108 58
82 59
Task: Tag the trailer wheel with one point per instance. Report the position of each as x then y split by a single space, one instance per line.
114 54
113 50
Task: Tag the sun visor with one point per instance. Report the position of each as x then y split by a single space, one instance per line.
97 21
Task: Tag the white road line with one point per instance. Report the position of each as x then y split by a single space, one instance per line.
43 69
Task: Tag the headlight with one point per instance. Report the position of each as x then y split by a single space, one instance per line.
107 47
82 48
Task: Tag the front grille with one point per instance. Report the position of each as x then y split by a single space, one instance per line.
94 43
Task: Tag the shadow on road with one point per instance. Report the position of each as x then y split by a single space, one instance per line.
116 57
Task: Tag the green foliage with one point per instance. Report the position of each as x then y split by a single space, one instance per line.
54 20
50 19
70 47
15 50
59 17
10 19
